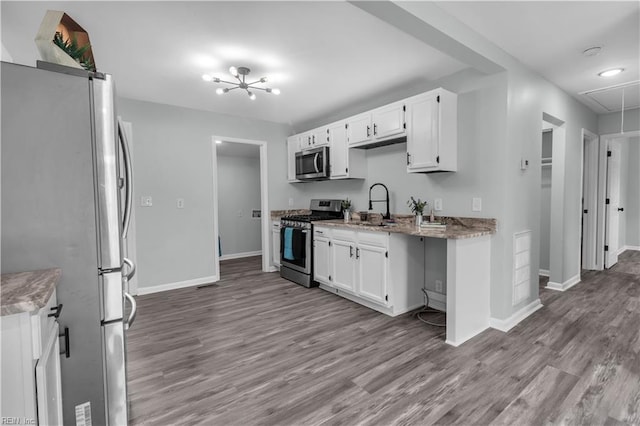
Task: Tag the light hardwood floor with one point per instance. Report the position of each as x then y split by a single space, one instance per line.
259 350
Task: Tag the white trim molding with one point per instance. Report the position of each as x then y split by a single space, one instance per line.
635 248
565 285
180 284
241 255
437 301
543 272
507 324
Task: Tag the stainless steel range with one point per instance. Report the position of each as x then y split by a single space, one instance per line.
296 241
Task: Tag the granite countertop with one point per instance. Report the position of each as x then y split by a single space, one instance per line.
27 291
457 227
277 214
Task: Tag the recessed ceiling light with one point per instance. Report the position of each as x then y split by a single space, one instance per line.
218 142
592 51
611 73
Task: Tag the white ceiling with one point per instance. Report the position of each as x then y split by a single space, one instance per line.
324 56
550 36
321 55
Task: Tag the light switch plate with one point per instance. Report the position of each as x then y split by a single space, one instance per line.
180 203
437 204
476 205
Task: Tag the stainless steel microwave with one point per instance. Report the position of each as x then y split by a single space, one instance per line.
313 164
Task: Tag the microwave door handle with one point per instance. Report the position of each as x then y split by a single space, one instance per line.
126 157
315 162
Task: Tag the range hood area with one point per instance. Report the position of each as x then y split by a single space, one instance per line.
402 139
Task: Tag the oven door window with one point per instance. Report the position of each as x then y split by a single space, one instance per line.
293 246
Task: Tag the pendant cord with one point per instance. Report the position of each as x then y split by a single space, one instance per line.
622 114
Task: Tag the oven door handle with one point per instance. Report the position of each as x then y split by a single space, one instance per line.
315 161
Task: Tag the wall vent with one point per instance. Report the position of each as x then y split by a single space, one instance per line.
521 266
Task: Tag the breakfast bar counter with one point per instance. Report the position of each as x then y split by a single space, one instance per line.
468 266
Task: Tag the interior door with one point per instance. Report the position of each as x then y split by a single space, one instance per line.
590 203
612 225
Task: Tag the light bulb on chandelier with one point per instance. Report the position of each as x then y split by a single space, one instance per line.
241 74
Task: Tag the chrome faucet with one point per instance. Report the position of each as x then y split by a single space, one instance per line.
387 215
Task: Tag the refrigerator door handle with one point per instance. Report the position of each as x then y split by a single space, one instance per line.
132 268
126 157
134 311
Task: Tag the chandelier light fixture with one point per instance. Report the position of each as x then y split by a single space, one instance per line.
240 74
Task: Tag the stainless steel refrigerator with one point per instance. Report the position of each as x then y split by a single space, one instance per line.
66 202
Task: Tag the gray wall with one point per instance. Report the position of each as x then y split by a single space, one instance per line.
632 194
173 159
610 123
239 194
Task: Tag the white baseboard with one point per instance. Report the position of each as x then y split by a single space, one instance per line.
172 286
507 324
241 255
635 248
543 272
565 285
437 301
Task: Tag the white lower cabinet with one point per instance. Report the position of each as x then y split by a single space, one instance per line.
31 383
343 262
275 243
381 270
372 271
321 256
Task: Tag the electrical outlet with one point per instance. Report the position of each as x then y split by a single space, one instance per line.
437 204
146 201
180 203
476 205
290 202
240 213
439 287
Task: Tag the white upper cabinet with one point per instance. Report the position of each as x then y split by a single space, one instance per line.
293 146
359 129
389 121
377 125
428 121
314 138
432 136
345 163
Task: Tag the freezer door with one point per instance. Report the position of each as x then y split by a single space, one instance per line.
106 171
115 373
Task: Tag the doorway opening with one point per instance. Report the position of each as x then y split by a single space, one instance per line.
589 207
554 156
546 163
240 206
619 200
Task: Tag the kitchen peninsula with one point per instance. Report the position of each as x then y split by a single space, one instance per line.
385 267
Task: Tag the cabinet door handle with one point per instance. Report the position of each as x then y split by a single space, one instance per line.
357 253
375 129
350 251
408 159
66 352
57 310
368 131
620 209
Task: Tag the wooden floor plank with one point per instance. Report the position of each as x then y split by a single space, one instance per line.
255 349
